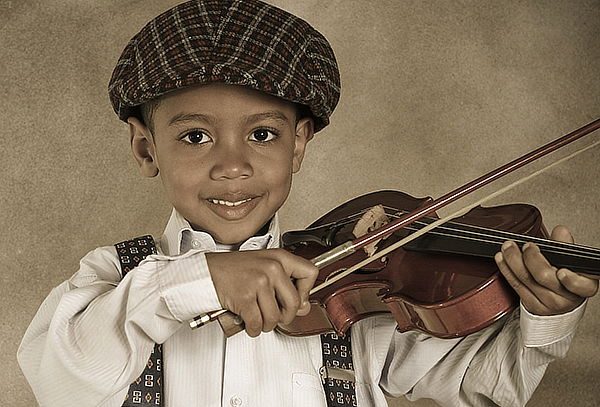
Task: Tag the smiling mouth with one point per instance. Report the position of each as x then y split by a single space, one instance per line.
232 207
229 203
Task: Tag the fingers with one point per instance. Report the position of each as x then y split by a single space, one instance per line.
536 275
577 284
271 306
305 274
252 317
275 305
561 234
276 297
288 300
269 309
257 286
544 274
527 296
544 290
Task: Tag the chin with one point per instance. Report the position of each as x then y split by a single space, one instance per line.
234 231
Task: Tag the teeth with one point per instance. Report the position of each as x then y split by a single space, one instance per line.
229 203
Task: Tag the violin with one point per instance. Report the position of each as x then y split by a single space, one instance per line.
444 283
433 275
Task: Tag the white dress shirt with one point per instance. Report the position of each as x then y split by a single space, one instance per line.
93 335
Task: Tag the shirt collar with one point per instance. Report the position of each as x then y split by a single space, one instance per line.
180 237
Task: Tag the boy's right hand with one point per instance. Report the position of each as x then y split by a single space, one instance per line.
257 285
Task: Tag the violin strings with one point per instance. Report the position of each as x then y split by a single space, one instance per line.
342 222
545 248
380 253
482 234
498 240
445 219
498 237
504 235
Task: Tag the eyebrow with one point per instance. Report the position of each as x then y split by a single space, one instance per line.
191 117
253 118
270 115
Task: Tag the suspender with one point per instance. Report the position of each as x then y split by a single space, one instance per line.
337 373
147 389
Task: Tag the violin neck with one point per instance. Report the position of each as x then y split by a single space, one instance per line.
462 239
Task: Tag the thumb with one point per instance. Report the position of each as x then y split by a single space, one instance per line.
561 234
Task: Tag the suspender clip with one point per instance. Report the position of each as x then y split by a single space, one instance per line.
336 373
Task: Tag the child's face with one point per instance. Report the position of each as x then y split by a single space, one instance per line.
225 155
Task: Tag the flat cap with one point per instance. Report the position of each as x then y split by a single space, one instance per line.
238 42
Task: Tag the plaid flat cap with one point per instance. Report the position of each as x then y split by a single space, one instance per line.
238 42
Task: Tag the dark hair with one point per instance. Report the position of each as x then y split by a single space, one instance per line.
147 111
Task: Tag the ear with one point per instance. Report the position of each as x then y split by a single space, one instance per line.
304 133
142 147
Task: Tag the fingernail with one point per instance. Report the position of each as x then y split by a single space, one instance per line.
507 244
561 274
498 257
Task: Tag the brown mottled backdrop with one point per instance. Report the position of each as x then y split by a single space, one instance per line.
434 94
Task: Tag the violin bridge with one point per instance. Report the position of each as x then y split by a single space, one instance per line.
374 218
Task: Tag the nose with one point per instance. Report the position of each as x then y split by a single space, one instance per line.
230 161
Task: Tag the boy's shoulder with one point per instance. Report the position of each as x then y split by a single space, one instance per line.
110 263
133 251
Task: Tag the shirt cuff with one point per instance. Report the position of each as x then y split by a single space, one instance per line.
538 330
186 286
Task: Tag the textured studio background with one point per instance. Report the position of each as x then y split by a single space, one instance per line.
434 94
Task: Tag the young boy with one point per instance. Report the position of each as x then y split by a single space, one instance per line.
221 99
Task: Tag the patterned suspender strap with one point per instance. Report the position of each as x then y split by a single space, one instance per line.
147 389
337 372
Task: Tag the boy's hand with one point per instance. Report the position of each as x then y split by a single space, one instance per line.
544 289
257 286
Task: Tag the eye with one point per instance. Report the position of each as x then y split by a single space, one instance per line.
263 135
196 137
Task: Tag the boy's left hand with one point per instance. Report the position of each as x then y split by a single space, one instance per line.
544 289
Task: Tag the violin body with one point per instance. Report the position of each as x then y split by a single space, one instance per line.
445 295
442 279
453 289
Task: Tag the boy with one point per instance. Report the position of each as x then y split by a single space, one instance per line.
221 98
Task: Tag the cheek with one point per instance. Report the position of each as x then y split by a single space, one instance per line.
179 176
279 178
278 167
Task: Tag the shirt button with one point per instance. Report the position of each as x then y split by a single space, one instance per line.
195 244
236 401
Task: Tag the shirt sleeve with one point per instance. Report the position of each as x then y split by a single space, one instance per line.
93 334
498 366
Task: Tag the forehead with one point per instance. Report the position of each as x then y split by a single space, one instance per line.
221 100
